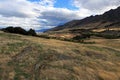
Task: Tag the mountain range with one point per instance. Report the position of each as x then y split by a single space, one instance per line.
110 19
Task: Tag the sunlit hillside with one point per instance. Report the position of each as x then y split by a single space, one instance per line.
33 58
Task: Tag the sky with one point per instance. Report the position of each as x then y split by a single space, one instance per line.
45 14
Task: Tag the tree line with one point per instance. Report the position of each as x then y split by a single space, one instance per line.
19 30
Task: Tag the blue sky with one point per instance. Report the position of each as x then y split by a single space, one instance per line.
61 4
44 14
64 4
34 0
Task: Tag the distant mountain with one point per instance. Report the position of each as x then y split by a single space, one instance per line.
41 30
110 18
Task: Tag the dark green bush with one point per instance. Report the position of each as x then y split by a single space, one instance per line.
107 36
19 30
83 35
44 36
9 29
31 32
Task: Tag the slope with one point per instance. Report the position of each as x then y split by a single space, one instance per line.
108 19
32 58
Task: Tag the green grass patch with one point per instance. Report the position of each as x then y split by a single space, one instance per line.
116 52
19 73
12 47
107 49
96 48
10 36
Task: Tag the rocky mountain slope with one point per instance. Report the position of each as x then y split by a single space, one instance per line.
108 19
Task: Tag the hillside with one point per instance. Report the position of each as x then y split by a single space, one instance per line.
109 19
33 58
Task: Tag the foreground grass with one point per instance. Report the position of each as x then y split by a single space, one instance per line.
31 58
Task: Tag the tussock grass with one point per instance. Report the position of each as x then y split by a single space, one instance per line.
32 58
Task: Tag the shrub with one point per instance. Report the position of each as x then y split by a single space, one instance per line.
31 32
107 36
44 36
9 29
80 37
19 30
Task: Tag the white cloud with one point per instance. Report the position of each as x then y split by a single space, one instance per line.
58 15
26 23
43 14
19 13
96 6
37 15
18 8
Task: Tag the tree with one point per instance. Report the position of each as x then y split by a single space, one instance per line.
9 29
32 32
20 30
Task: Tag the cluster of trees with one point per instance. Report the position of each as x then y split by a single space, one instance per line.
19 30
82 36
108 36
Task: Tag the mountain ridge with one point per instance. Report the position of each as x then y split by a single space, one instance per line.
108 18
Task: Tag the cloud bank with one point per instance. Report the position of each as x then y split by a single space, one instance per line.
42 14
96 6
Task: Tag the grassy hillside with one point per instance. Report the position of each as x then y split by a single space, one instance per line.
32 58
106 25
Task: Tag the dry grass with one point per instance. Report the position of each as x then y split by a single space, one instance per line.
32 58
103 29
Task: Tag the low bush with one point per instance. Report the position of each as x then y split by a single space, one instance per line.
19 30
107 36
31 32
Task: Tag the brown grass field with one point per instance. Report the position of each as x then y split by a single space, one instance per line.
32 58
